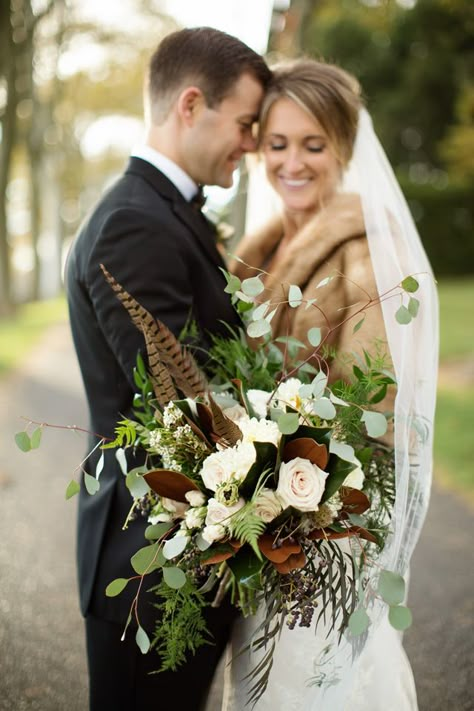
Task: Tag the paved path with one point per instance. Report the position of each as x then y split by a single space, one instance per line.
42 659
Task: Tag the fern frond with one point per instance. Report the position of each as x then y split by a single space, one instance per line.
247 527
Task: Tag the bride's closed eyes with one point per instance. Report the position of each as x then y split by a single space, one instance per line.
280 144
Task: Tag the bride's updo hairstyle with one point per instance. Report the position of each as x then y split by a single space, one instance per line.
328 93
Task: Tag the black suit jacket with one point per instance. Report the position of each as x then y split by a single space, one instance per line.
163 252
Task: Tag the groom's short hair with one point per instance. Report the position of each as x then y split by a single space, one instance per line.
204 57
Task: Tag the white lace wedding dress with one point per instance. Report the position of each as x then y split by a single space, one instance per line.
380 680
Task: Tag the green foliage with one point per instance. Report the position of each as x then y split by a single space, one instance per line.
23 441
116 586
181 628
126 434
73 488
391 587
247 527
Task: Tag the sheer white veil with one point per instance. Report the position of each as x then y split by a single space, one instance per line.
396 252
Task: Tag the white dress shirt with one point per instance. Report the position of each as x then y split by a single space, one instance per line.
181 180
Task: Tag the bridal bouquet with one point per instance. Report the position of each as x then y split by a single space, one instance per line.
255 469
250 479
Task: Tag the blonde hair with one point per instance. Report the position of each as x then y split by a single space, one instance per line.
328 93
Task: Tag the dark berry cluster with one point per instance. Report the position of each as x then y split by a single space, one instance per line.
298 590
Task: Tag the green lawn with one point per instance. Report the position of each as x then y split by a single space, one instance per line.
19 333
454 427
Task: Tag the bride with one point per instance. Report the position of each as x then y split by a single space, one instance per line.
344 217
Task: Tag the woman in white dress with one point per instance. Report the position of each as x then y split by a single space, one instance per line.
319 149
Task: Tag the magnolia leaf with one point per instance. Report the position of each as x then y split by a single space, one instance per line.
358 325
233 284
403 316
157 530
174 577
337 400
306 448
258 328
116 586
314 336
375 423
410 285
142 640
23 441
358 622
91 484
146 559
121 459
260 311
288 423
295 296
136 483
73 488
319 384
324 408
391 587
35 438
99 466
252 286
400 617
413 306
174 546
172 485
342 450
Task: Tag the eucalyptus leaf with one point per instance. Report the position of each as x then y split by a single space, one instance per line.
260 311
256 329
174 546
73 488
121 459
35 438
248 300
324 408
391 587
174 577
23 441
252 286
295 296
270 315
201 543
288 423
375 423
358 325
403 316
116 586
337 400
233 284
358 622
413 306
157 530
314 336
400 617
136 484
323 282
357 520
319 383
310 303
145 559
306 391
410 284
342 450
91 484
99 466
142 640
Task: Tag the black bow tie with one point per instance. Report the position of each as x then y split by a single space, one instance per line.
199 199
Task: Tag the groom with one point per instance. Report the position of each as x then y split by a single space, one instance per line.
202 97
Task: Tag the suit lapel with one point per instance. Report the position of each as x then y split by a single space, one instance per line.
184 211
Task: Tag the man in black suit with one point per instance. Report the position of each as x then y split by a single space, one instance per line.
202 98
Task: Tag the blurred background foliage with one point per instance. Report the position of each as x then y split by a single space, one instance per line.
70 110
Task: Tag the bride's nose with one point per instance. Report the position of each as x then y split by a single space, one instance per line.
293 163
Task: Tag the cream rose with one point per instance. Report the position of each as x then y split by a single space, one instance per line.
267 505
301 484
176 508
194 517
195 498
231 464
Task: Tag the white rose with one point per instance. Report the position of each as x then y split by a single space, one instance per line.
288 393
259 400
195 517
220 513
212 533
267 505
195 498
301 484
231 464
355 478
254 430
176 508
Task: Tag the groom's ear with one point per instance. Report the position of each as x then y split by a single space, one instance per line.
190 103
